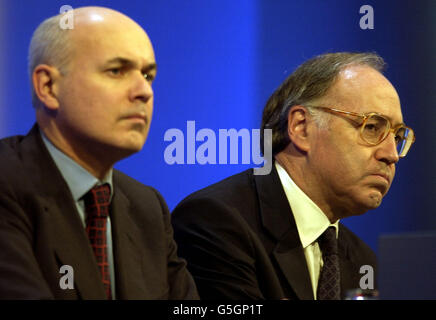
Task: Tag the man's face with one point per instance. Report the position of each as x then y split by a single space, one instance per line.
106 98
354 176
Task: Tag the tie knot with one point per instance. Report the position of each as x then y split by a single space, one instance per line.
97 201
328 242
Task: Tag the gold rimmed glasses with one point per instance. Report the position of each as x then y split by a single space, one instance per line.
376 127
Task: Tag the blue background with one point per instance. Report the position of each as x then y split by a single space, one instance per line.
219 61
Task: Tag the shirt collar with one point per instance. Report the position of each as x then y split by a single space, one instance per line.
310 220
78 179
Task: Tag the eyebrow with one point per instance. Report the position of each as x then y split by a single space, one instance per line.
390 119
131 63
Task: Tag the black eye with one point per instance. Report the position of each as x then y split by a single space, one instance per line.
115 71
370 127
149 77
375 125
400 135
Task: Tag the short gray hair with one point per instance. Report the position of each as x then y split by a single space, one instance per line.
310 81
49 45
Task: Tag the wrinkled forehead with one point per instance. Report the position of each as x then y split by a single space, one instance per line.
363 89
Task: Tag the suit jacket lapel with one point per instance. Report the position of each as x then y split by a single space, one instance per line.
128 258
277 218
349 271
72 248
67 233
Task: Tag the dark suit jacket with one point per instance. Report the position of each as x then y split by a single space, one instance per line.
241 242
40 230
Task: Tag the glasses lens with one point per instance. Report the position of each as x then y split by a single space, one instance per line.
375 129
404 139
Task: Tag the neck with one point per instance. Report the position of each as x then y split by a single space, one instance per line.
85 154
298 168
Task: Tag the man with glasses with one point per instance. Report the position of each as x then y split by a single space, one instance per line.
337 134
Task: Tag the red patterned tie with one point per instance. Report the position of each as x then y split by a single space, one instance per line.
97 202
329 278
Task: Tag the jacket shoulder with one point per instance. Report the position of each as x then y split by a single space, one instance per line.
231 203
231 190
10 160
12 142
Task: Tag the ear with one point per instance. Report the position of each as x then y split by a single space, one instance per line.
298 127
45 81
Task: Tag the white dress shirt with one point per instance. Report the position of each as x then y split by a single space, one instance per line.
311 223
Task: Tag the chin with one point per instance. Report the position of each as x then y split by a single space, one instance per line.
366 202
374 200
133 142
132 148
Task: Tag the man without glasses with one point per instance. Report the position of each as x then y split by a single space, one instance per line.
61 201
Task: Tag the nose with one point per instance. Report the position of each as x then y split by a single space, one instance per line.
140 89
387 150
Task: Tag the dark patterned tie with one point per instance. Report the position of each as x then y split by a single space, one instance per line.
329 278
97 202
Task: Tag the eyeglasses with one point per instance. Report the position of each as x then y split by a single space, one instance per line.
376 127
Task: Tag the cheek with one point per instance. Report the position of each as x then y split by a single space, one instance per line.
150 105
99 103
343 170
344 163
86 110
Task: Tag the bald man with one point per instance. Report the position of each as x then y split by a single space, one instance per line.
71 226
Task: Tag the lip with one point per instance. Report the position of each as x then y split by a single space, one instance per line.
383 176
137 117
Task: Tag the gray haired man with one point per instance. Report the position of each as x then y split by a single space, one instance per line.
337 134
